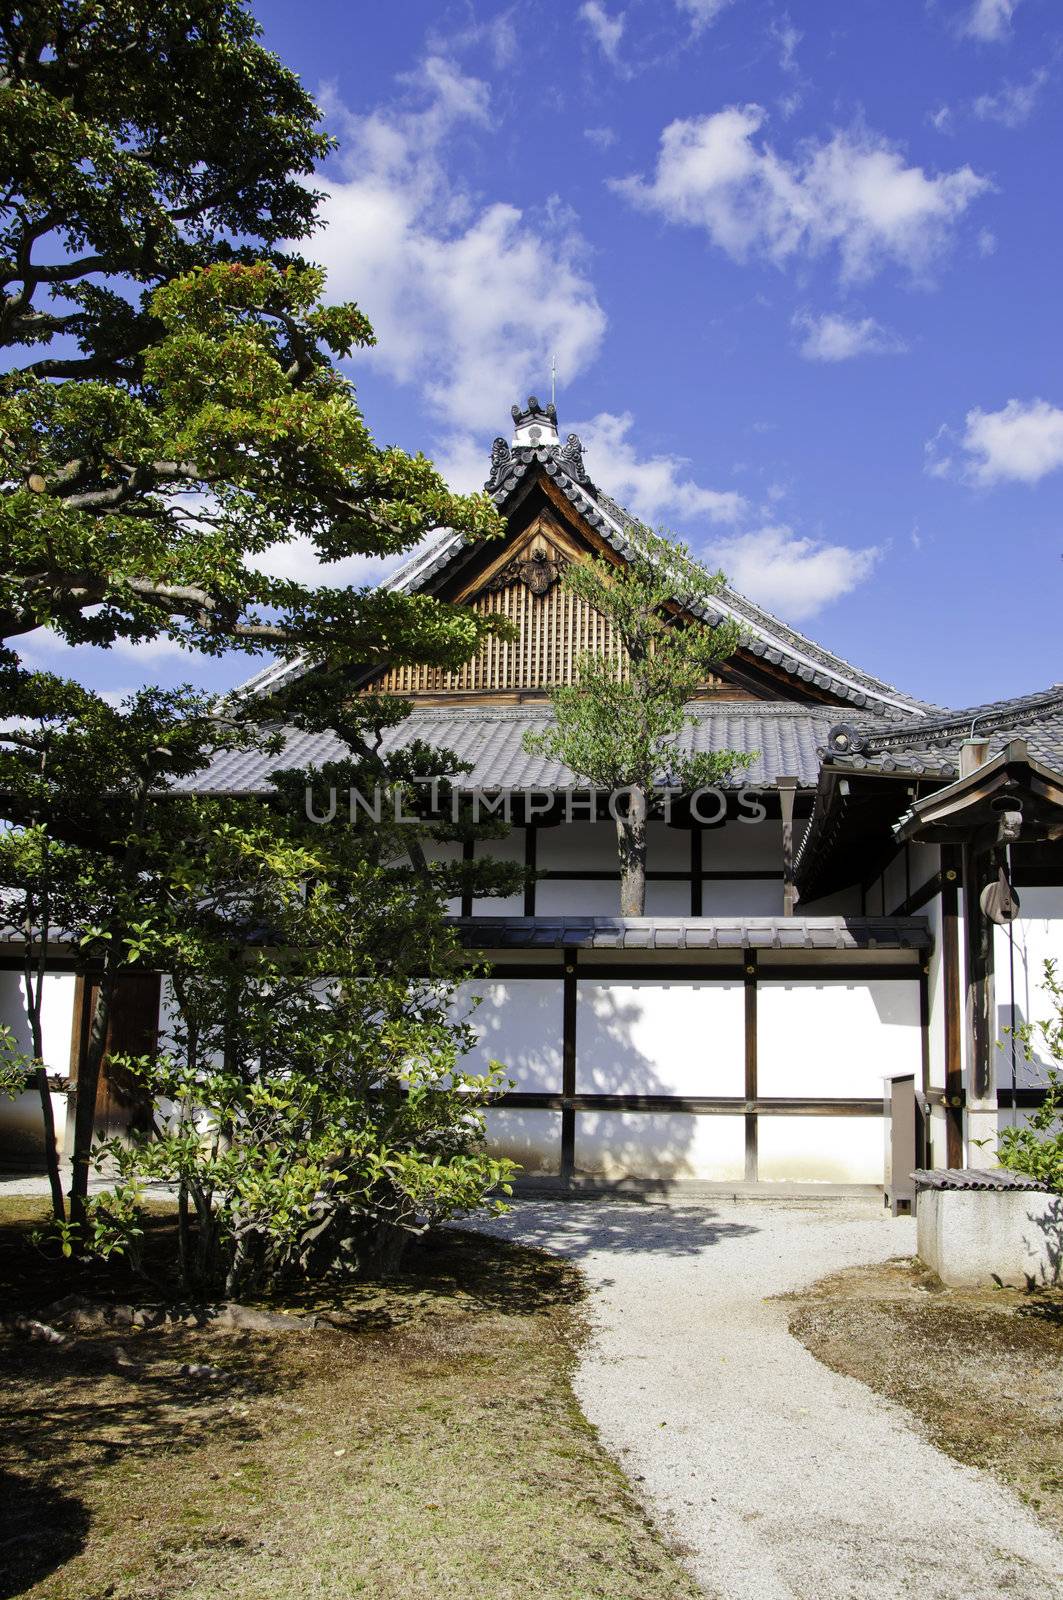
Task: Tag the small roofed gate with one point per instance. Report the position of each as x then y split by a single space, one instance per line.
122 1107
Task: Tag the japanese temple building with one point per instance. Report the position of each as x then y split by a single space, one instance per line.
838 914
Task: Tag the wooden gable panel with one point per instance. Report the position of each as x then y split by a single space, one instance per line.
554 626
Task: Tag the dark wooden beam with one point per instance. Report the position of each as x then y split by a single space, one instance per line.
531 850
568 1068
749 959
787 788
950 961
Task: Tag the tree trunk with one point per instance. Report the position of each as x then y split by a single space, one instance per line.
51 1153
88 1082
631 839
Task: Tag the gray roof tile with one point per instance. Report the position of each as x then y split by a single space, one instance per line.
785 739
697 933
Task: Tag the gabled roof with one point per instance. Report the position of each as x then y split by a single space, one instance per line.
873 771
537 450
930 747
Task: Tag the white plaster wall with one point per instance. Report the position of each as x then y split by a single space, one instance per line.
20 1120
741 897
821 1149
509 848
574 897
668 899
846 903
835 1039
896 882
1019 955
682 1037
925 860
745 846
617 1144
578 846
444 851
531 1138
519 1023
667 849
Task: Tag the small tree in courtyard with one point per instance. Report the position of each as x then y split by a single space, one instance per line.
619 726
312 1053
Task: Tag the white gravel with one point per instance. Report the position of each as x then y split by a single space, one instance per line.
784 1480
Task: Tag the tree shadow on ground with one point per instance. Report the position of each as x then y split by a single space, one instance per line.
583 1226
41 1528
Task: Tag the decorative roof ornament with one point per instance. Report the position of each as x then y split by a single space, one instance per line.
535 437
535 427
537 572
571 453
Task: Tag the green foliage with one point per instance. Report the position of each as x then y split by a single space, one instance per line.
172 409
16 1067
157 155
321 1114
1036 1147
620 729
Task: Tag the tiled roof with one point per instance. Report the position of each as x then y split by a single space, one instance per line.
997 1179
763 635
784 738
930 747
695 933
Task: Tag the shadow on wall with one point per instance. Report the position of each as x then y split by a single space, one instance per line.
1049 1248
580 1227
520 1024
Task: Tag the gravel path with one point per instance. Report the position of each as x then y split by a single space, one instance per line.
784 1480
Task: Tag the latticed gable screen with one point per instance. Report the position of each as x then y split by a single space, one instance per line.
554 628
552 631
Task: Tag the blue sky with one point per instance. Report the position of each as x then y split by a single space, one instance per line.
800 269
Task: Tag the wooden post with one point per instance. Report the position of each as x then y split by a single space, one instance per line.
749 961
950 962
568 1069
787 788
696 868
531 851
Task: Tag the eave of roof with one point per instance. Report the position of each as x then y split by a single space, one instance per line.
1013 773
695 933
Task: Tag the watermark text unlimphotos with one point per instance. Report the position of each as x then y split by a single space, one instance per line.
393 804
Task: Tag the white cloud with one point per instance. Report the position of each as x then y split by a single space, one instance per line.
941 119
1014 103
651 486
464 459
468 300
854 193
1020 443
296 559
989 19
833 337
607 30
790 575
702 13
787 37
601 138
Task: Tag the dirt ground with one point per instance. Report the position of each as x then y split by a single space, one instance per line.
430 1446
980 1371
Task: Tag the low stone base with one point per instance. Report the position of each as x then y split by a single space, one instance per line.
974 1239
